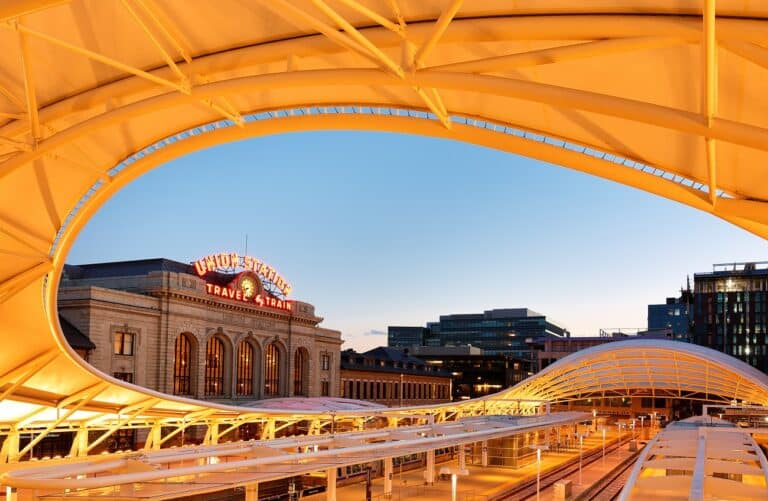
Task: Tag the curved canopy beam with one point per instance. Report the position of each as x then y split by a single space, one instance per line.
648 367
91 97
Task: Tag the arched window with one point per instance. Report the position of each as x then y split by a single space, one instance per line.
272 371
245 369
182 366
300 372
214 367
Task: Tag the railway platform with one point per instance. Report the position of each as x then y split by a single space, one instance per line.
492 483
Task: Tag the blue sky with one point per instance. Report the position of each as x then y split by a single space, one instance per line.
379 229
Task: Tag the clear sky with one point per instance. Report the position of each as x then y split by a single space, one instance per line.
382 229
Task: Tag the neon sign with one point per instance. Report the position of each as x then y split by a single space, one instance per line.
247 285
216 262
239 294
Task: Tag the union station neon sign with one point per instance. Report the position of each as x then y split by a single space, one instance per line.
247 285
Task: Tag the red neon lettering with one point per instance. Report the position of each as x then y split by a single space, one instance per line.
217 290
248 263
209 288
234 259
210 264
200 267
224 260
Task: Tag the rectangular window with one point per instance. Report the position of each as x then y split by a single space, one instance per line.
325 362
325 389
123 343
123 376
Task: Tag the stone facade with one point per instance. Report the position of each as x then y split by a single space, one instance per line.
156 307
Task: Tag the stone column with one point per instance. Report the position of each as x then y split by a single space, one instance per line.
484 446
462 457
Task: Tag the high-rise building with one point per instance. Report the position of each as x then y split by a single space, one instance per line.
475 373
403 337
509 331
730 311
675 316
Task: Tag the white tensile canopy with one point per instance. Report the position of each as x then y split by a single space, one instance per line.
665 96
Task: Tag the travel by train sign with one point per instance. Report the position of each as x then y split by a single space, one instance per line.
247 286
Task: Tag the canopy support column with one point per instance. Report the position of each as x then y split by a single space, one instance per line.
429 474
330 490
252 492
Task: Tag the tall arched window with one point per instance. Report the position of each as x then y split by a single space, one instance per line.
214 367
245 369
182 366
300 372
272 371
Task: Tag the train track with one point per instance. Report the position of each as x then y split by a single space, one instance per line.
527 488
609 487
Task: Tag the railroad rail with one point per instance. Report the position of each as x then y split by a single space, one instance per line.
527 488
609 487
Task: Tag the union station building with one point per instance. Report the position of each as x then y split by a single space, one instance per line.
218 329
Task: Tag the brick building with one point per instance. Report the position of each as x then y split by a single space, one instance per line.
390 377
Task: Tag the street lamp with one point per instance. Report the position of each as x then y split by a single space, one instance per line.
618 444
594 419
581 455
539 448
603 445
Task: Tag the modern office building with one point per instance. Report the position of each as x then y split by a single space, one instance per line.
730 306
675 314
404 337
221 332
391 377
507 331
474 373
550 350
